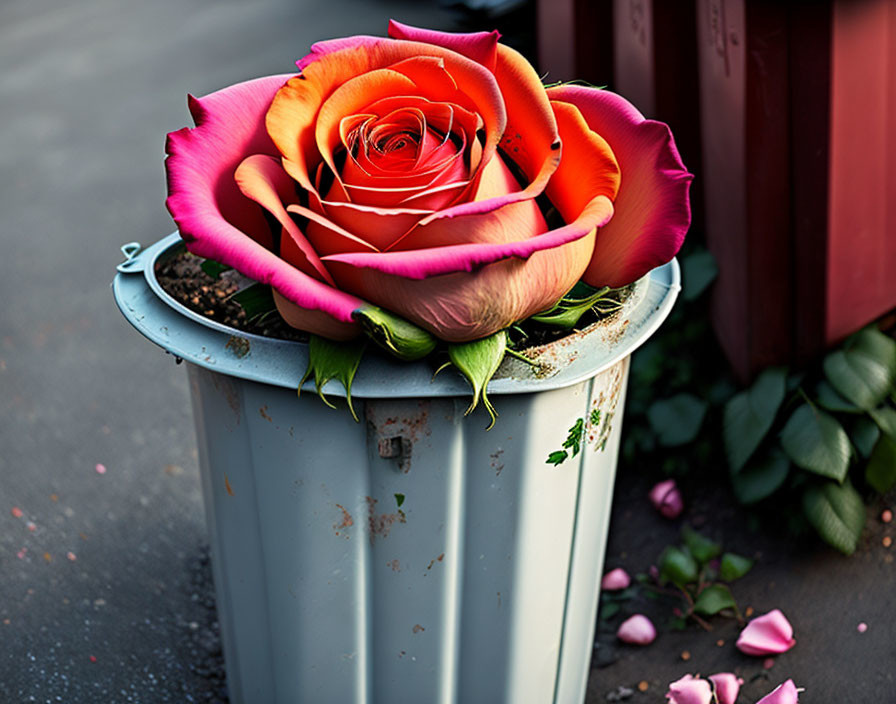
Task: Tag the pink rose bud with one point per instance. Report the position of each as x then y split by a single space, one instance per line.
637 630
614 580
689 690
666 498
786 693
727 685
766 635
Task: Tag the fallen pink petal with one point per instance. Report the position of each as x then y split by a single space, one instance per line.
100 468
666 498
16 512
727 685
767 635
637 630
614 580
786 693
862 627
689 690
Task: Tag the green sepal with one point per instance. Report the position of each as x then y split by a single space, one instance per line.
394 334
328 359
567 311
478 361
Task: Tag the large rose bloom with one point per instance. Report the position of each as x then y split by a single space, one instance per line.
404 172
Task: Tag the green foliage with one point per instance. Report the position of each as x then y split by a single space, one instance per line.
734 566
677 420
212 268
478 361
702 548
836 511
557 457
864 369
699 270
864 434
398 336
713 599
762 476
880 472
328 359
678 566
750 414
816 441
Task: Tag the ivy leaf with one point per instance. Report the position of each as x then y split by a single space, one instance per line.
677 566
478 361
713 599
557 457
762 476
864 434
816 441
880 472
750 414
677 420
734 566
702 548
699 270
608 610
213 269
574 439
836 511
864 370
328 359
885 417
829 399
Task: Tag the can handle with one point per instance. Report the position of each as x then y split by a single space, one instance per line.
132 263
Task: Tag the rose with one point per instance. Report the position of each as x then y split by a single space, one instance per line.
404 172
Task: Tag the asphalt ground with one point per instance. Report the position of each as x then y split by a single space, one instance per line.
105 591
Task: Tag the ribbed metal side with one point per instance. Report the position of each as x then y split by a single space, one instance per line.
412 557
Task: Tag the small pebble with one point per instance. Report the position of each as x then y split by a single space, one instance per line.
642 686
54 498
31 526
862 627
93 658
100 468
685 655
47 556
748 611
886 516
16 512
768 663
887 541
720 642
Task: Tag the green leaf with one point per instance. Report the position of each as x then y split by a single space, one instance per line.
864 370
399 499
750 414
567 311
885 417
817 442
702 548
478 361
699 270
762 476
212 268
677 566
394 334
608 610
829 399
836 511
734 566
328 359
557 457
574 439
713 599
255 300
880 472
864 434
677 420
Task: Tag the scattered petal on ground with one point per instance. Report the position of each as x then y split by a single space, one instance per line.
71 556
615 580
16 512
786 693
637 630
766 635
727 685
21 553
768 663
666 498
100 468
689 690
862 627
31 526
886 516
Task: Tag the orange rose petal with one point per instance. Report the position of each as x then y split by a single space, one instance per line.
587 169
260 178
326 236
378 226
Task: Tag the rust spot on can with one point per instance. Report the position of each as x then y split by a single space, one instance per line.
346 521
418 628
227 486
395 565
379 524
263 411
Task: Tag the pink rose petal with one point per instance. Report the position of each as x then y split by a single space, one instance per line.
767 635
689 690
615 580
100 468
637 630
16 512
862 627
666 498
786 693
727 685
